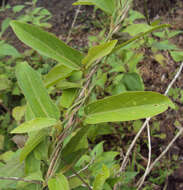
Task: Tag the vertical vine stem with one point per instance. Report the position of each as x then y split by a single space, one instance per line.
80 100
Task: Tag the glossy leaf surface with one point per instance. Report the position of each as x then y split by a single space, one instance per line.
47 44
57 73
127 106
35 93
35 125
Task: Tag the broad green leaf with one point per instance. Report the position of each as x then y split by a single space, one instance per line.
57 73
59 182
42 150
35 125
98 52
47 44
29 114
133 82
32 165
68 97
107 6
101 178
35 93
127 106
34 139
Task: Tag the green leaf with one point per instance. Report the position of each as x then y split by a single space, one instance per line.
68 97
177 55
12 168
34 139
59 182
32 165
164 45
74 149
101 178
35 93
5 82
133 82
47 44
18 112
139 36
98 52
7 49
5 24
35 125
107 6
18 8
135 29
57 73
66 85
127 106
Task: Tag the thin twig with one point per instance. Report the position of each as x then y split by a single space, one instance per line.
73 23
165 151
149 158
174 79
124 163
83 169
76 174
21 179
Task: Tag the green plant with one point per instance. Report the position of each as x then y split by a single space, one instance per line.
56 154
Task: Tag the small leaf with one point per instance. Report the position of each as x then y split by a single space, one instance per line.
59 182
47 44
34 139
35 125
101 178
107 6
177 55
133 82
127 106
98 52
67 97
18 112
7 49
57 73
5 82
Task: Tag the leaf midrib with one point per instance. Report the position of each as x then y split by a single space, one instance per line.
116 110
49 48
